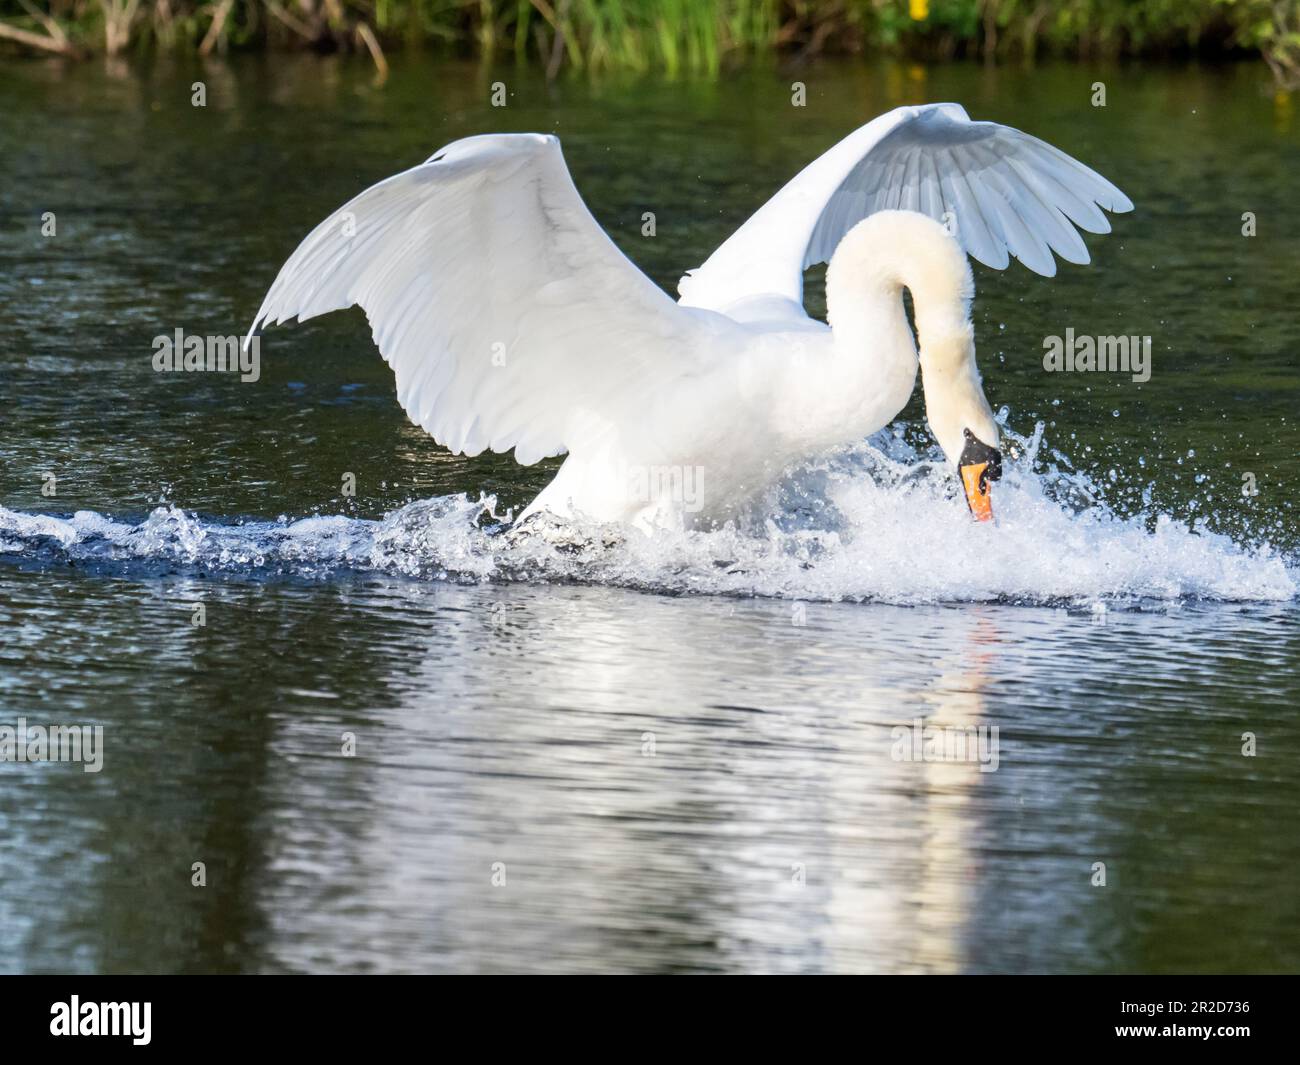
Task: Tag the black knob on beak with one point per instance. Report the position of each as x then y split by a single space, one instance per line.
976 451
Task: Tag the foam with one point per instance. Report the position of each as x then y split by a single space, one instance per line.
875 521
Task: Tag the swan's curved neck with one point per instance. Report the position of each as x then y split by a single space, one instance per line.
882 255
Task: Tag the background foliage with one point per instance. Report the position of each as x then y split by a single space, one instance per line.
670 34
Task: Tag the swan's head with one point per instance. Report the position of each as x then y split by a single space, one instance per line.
892 250
958 412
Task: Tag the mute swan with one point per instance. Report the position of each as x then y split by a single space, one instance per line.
512 321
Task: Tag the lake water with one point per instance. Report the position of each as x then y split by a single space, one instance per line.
399 741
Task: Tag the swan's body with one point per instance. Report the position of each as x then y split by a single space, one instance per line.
512 321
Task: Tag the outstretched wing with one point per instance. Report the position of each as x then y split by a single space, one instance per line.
508 316
1002 193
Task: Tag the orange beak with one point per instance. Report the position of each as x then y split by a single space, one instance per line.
975 481
979 464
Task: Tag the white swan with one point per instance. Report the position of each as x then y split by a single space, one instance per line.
512 321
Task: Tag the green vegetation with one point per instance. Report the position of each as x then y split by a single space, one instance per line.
670 35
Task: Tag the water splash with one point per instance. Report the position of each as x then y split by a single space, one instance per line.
876 521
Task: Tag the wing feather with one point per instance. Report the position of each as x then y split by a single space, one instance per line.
1011 196
509 317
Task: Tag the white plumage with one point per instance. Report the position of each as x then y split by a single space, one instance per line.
512 321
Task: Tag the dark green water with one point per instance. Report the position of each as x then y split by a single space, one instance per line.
699 782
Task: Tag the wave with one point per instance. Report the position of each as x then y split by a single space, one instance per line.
877 521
